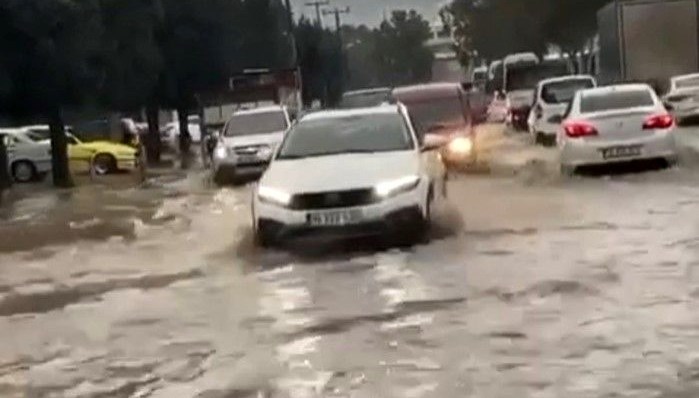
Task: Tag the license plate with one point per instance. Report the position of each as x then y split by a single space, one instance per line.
246 159
621 151
334 218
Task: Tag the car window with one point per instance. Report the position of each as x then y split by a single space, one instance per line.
437 114
563 91
687 82
364 100
348 134
38 135
256 123
609 101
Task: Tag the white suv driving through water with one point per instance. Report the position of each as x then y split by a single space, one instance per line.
248 141
349 173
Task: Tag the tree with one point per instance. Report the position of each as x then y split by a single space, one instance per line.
321 61
133 61
399 52
492 29
51 53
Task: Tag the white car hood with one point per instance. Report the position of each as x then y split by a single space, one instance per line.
271 139
520 98
339 172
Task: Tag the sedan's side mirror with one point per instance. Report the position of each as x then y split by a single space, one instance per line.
433 142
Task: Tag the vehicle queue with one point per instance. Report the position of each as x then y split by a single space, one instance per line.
379 163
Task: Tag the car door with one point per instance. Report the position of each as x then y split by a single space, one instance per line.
430 161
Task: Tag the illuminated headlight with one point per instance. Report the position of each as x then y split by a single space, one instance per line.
460 146
264 152
390 188
274 196
221 152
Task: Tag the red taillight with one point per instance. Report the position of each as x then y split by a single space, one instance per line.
579 129
663 121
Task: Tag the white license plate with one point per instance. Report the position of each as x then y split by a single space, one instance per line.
334 218
616 152
247 159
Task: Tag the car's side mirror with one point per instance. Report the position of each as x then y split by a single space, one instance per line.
433 142
556 119
668 106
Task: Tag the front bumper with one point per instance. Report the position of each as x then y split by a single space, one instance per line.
381 218
583 152
234 170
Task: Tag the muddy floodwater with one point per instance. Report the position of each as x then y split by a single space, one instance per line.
531 285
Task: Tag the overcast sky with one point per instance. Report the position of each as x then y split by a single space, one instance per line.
371 11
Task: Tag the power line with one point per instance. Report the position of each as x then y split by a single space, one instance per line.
337 12
317 4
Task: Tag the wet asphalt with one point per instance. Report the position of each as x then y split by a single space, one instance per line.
530 285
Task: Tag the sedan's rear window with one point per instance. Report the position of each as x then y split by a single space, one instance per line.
563 91
615 100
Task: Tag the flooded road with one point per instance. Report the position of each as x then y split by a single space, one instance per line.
533 285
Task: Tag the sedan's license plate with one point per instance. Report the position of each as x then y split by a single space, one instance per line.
334 218
621 151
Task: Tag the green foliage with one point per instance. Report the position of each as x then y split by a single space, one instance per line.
491 29
399 52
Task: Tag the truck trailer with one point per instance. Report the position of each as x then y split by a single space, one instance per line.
648 41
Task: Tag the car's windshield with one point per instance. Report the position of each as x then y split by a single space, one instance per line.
522 78
550 69
365 99
38 135
563 91
437 114
256 123
687 82
609 101
347 134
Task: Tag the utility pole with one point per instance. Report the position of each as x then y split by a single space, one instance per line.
337 12
317 4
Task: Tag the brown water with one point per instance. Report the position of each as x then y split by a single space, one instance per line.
531 286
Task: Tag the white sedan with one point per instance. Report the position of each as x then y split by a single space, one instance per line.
29 154
349 173
683 97
615 124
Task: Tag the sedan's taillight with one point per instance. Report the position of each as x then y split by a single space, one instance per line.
575 129
662 121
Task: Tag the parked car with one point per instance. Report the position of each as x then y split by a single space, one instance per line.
615 124
29 154
366 98
105 157
170 133
350 173
442 110
248 141
682 99
550 101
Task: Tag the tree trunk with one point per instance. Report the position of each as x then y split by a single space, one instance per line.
59 151
5 179
152 142
185 140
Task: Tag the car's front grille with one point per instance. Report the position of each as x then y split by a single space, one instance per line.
331 200
247 150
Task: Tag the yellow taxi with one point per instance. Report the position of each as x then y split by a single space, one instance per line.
105 157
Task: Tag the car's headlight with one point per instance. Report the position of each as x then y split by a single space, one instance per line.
460 146
264 152
393 187
221 152
273 195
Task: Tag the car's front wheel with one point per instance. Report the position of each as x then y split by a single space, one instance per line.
23 171
265 236
104 163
